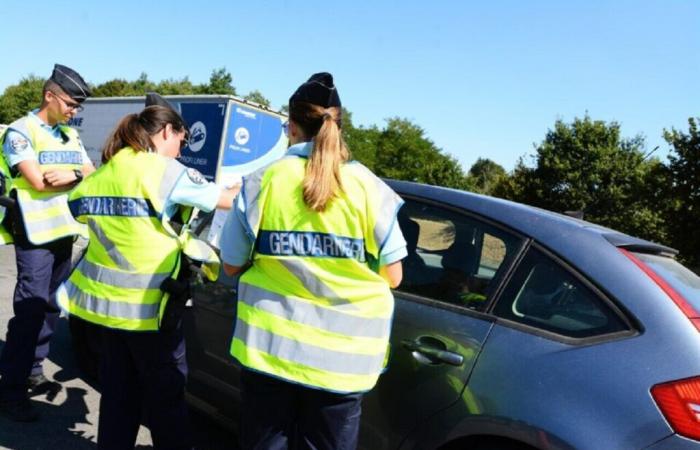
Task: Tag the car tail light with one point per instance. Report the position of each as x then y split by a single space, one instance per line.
677 298
679 401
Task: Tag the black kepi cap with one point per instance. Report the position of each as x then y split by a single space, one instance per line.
318 90
70 82
154 99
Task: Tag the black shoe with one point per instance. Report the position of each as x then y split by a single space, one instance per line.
19 410
38 384
34 381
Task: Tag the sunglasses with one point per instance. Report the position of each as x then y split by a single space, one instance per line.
69 104
285 128
183 143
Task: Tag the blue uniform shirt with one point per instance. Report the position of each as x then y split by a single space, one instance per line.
192 189
237 239
18 148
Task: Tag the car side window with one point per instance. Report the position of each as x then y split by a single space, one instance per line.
452 258
545 295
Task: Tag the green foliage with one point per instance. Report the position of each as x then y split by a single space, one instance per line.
20 98
683 194
485 175
220 82
403 152
257 97
587 166
361 141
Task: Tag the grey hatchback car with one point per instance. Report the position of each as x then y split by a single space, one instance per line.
515 328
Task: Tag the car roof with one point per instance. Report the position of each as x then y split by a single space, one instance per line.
540 224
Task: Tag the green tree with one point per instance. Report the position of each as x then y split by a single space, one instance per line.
587 166
361 141
175 87
403 152
20 98
485 175
683 193
257 97
220 82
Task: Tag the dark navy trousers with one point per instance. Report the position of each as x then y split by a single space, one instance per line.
40 271
277 415
142 378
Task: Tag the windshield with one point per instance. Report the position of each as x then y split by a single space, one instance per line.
682 280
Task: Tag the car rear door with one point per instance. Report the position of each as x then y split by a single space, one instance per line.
455 264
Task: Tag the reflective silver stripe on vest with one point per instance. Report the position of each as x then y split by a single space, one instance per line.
41 204
251 191
33 226
204 253
307 354
110 247
110 308
389 203
315 286
173 171
309 314
121 279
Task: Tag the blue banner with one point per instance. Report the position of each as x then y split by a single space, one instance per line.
251 135
206 121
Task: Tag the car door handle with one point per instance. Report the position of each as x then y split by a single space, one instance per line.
434 354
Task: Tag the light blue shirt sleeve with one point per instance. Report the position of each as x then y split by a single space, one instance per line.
83 153
17 148
193 191
236 242
395 246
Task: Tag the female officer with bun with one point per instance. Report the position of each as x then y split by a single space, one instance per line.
134 251
318 239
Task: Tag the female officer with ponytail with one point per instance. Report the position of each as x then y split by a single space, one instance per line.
318 239
134 251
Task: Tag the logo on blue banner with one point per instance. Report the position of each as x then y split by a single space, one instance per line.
251 134
202 152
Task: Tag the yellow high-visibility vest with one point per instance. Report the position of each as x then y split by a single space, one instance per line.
132 247
311 310
45 214
6 180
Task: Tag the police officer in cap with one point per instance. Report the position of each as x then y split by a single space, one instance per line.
127 282
319 242
46 159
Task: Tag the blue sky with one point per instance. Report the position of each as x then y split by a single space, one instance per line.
484 79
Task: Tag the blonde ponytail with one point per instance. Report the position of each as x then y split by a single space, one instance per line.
322 180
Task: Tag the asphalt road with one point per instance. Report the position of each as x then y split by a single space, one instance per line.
69 417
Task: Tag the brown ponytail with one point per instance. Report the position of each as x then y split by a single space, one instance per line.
322 180
135 130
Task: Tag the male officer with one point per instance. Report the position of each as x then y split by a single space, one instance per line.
46 159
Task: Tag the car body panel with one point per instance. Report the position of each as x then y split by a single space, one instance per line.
516 381
398 403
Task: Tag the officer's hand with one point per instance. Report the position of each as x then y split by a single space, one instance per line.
59 177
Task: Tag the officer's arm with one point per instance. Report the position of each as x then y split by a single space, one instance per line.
87 168
227 196
233 270
31 171
392 273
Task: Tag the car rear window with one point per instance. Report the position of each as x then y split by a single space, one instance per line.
682 280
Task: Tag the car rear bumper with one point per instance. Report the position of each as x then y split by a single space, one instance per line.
675 442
